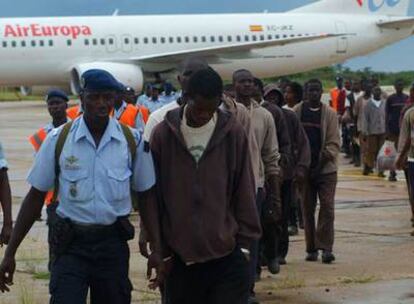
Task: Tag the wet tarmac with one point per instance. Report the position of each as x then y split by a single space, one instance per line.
374 249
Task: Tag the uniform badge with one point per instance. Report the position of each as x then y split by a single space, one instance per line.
73 190
71 163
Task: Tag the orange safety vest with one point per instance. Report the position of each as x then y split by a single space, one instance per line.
129 116
73 112
145 113
338 98
36 140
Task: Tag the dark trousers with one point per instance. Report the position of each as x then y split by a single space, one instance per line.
409 173
346 139
320 236
374 145
98 261
283 232
255 246
220 281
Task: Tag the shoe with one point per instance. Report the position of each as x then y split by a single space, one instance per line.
282 261
312 256
366 171
327 257
273 266
393 177
293 230
252 300
381 175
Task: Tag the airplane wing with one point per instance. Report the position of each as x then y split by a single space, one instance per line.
230 51
397 23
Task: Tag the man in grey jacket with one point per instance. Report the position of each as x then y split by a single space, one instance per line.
374 127
321 126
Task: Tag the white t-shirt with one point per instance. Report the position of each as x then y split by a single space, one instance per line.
158 117
356 96
197 139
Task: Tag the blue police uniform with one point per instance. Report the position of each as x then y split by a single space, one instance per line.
3 161
166 99
142 99
153 105
94 194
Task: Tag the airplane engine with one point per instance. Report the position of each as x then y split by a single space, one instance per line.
129 74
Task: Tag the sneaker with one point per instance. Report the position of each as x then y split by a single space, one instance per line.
312 256
327 257
273 266
293 230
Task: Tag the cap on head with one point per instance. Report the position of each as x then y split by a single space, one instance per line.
99 80
56 93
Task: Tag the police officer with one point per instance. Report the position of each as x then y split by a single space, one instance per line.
5 200
92 227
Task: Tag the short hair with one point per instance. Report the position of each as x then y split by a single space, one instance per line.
240 71
192 60
206 83
314 81
398 80
297 89
259 83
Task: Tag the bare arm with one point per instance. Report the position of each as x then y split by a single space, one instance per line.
6 201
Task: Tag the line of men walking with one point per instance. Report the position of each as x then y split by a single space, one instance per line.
219 179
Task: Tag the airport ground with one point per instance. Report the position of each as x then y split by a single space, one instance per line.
374 249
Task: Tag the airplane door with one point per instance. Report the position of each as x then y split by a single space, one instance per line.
111 44
342 41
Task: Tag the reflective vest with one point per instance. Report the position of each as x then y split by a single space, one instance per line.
129 116
73 112
338 98
36 140
145 113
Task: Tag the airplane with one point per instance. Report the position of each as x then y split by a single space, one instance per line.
57 50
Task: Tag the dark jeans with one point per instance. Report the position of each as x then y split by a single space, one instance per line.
255 247
220 281
320 235
409 173
283 232
98 260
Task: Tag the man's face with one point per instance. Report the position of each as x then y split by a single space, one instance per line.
129 97
314 92
97 105
340 83
290 96
202 109
399 86
57 107
273 97
376 92
244 84
368 88
148 91
356 86
155 94
348 85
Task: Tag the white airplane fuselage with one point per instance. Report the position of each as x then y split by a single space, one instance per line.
70 41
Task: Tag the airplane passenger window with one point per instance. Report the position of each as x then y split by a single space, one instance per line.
292 36
94 41
13 44
50 42
221 38
238 38
86 42
41 43
203 39
171 40
178 39
229 38
254 38
187 39
4 44
136 40
246 38
33 43
126 41
23 43
146 40
277 36
212 39
69 42
162 40
195 39
111 41
154 40
103 42
299 35
284 36
262 37
269 37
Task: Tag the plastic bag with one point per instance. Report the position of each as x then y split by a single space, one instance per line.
387 157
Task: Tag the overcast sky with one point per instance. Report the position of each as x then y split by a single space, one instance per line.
393 58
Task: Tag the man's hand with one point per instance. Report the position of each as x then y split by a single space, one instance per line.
155 262
400 162
5 234
7 268
143 243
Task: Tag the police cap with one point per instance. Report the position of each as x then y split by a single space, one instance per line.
56 93
99 80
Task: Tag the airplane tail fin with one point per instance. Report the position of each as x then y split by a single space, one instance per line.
367 7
